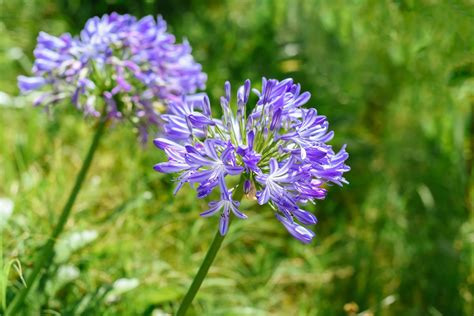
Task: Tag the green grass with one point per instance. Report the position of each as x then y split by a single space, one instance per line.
396 80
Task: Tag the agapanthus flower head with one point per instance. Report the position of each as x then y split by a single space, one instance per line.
280 150
118 66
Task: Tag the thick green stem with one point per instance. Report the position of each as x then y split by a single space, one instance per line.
206 264
47 251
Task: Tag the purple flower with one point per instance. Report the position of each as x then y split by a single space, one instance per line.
299 232
212 163
276 181
280 149
186 112
118 66
226 204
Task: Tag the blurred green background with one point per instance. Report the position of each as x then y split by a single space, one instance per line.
396 80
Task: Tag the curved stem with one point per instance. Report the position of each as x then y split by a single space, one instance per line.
207 262
47 251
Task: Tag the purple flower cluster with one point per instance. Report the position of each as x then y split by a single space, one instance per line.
280 150
118 66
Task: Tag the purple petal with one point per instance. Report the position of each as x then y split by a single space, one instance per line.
170 167
200 120
214 207
234 170
263 196
227 90
247 186
27 84
299 232
224 224
305 217
302 99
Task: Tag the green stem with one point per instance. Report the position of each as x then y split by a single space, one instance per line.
47 251
207 262
199 278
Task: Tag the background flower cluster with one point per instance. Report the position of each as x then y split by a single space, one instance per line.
133 66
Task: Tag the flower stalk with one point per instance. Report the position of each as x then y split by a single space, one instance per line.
47 251
206 263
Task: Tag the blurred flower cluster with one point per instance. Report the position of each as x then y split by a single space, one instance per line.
119 66
280 150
